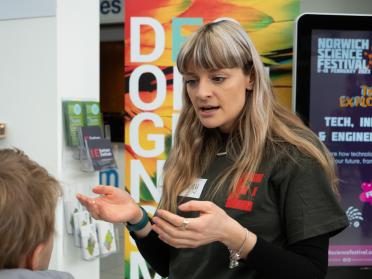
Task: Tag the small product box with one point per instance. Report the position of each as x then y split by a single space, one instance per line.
106 238
81 219
89 241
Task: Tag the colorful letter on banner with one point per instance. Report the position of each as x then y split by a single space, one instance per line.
154 33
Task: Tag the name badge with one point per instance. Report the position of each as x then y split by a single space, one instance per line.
195 190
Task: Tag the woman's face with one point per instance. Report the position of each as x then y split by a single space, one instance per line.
218 96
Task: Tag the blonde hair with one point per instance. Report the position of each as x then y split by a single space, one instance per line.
28 197
263 126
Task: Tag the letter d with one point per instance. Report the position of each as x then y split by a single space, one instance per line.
135 39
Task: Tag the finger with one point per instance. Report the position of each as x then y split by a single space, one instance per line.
82 197
84 200
193 205
171 218
90 204
104 190
172 238
179 243
180 232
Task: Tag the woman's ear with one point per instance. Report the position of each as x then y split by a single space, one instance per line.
250 81
249 85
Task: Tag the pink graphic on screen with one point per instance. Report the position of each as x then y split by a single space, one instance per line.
366 196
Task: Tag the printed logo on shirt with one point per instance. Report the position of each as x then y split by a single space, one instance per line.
195 190
244 195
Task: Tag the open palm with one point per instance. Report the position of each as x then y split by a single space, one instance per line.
113 205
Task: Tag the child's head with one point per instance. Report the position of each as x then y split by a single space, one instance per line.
28 198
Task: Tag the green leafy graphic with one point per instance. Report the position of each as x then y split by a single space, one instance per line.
108 240
91 244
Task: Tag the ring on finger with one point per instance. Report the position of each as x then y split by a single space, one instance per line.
184 224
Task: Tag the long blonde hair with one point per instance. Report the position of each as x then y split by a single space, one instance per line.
263 124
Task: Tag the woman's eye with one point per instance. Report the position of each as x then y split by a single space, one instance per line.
190 81
218 79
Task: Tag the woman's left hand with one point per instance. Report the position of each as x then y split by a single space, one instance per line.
213 224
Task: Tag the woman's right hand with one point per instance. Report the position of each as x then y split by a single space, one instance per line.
113 205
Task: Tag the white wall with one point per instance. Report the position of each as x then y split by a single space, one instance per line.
43 61
77 78
11 9
28 99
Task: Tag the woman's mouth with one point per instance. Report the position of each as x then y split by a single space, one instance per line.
208 110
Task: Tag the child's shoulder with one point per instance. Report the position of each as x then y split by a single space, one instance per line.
19 273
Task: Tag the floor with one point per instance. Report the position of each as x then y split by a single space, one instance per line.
112 267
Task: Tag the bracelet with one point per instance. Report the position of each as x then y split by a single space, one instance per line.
141 224
235 255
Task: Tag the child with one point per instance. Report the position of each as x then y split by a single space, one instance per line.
28 198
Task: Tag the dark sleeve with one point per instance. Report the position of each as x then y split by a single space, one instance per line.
155 252
305 259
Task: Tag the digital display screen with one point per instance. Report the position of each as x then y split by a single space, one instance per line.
340 113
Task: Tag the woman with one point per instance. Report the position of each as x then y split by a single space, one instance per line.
247 186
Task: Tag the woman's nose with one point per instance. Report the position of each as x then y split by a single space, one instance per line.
204 89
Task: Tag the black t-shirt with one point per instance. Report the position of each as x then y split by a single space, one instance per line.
289 200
